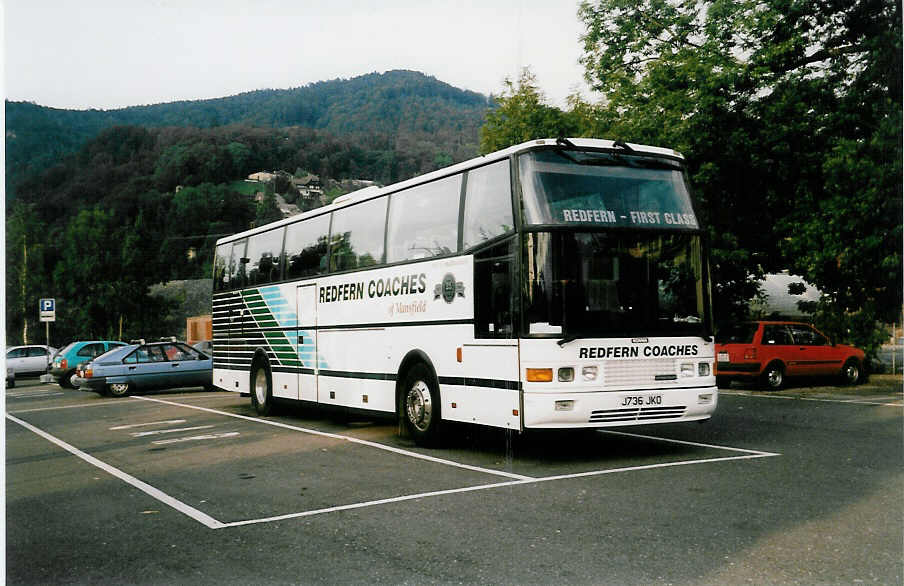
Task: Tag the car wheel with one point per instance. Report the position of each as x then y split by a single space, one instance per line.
66 380
118 389
773 377
851 372
262 389
420 405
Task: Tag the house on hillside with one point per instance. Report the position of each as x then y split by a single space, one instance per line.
262 176
308 186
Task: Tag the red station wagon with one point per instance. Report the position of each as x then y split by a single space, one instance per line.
769 351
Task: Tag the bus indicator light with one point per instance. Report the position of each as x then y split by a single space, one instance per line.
458 353
539 375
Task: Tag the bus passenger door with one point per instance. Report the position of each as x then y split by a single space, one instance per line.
306 301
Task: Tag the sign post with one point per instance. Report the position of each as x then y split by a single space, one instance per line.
47 314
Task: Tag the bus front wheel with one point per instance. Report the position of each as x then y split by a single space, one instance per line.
261 389
421 404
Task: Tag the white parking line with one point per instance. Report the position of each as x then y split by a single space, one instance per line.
32 394
196 438
212 523
817 399
147 424
174 430
161 496
346 438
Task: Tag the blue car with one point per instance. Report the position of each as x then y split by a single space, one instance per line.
66 361
146 366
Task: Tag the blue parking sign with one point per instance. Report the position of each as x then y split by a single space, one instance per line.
47 309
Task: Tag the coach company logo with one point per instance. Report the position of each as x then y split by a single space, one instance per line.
449 288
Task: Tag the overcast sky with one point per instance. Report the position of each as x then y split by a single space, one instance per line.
114 53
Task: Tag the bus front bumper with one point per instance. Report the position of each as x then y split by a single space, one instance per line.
618 408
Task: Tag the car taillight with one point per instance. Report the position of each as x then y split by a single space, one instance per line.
63 364
750 354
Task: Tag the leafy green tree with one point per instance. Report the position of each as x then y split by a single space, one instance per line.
267 210
522 114
28 259
789 114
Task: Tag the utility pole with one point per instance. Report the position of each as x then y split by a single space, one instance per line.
22 279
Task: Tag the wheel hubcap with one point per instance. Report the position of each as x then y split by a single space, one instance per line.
419 406
775 378
118 388
851 373
260 387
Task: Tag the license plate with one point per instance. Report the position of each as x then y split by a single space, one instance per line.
723 357
641 400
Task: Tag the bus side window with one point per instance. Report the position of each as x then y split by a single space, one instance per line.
356 236
306 247
423 220
488 204
493 292
263 257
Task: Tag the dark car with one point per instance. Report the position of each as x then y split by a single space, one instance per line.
145 366
768 352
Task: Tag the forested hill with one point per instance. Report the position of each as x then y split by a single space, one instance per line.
396 110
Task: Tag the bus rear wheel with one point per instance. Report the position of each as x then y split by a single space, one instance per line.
421 405
262 389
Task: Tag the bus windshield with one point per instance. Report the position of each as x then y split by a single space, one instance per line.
607 284
604 190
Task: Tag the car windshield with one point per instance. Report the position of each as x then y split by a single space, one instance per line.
737 334
594 284
604 190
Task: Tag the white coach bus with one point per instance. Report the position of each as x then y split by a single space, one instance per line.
554 284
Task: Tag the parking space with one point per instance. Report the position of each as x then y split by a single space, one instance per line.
207 456
179 475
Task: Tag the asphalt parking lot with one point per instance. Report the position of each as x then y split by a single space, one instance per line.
802 486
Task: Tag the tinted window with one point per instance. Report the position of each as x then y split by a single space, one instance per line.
356 237
737 334
37 352
600 189
91 350
488 204
306 247
493 291
423 220
776 335
807 336
16 353
229 271
263 257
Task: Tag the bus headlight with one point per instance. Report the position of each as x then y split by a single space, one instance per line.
566 375
703 369
589 373
687 369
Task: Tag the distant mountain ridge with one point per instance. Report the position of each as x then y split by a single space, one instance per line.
374 109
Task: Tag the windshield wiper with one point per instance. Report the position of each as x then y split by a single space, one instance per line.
568 339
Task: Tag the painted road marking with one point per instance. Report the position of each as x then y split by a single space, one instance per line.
148 424
196 438
32 394
212 523
161 496
337 436
820 400
162 431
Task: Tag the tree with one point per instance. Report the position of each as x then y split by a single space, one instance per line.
522 114
789 114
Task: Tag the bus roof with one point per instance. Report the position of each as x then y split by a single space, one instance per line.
373 191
